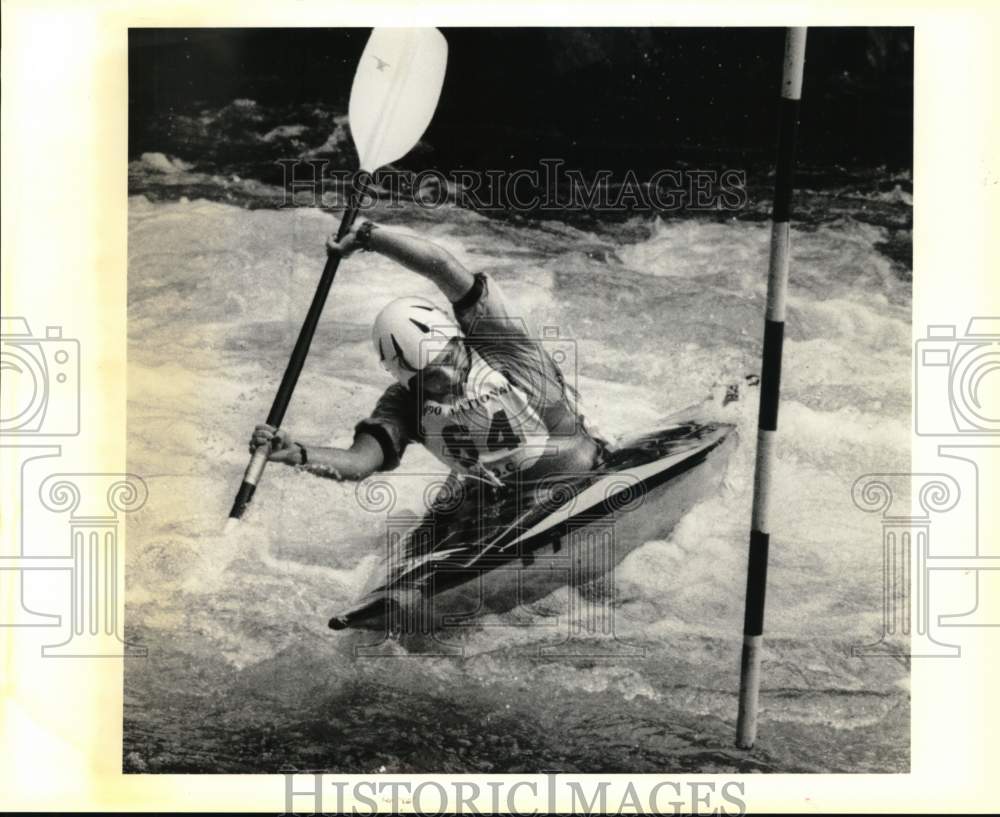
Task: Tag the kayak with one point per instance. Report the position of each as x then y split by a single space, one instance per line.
494 551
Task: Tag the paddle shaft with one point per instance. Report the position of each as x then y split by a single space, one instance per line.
294 368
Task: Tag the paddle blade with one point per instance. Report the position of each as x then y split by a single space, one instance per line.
395 92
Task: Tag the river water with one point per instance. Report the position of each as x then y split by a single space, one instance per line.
242 674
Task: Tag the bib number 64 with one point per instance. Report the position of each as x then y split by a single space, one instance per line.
462 446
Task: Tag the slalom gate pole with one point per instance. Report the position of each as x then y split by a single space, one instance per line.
770 380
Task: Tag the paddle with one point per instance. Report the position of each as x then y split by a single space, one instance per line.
393 98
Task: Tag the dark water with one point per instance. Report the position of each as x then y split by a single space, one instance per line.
600 97
224 113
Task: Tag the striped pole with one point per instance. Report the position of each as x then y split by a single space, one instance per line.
770 380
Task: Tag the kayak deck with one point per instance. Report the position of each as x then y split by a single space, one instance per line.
490 534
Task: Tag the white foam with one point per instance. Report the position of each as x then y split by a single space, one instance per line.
216 296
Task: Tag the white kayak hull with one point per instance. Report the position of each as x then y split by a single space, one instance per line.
591 523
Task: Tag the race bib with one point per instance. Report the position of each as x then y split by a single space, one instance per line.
493 427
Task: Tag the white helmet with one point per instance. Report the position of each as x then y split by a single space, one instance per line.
408 334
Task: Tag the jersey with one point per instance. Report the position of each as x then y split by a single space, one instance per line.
516 414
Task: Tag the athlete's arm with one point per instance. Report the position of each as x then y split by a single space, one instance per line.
361 460
418 254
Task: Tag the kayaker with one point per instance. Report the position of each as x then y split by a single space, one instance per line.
478 391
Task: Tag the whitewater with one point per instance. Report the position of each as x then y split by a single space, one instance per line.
242 674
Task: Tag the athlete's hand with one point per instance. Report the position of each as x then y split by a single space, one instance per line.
278 443
348 244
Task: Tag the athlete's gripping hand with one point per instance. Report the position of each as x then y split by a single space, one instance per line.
278 443
350 243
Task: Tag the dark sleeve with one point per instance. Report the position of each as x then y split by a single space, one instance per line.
391 424
504 342
482 311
